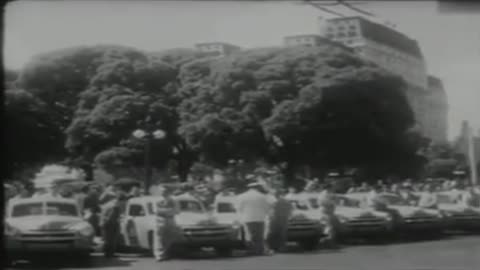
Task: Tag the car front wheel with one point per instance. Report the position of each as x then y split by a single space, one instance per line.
224 251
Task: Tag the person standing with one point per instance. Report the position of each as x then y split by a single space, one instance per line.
326 202
282 210
110 222
166 232
470 198
254 208
91 207
428 198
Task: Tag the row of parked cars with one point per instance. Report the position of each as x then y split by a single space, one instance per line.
45 224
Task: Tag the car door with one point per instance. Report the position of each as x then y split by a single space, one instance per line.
135 226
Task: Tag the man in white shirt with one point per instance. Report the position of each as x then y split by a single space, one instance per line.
292 193
326 202
372 199
428 199
254 207
470 198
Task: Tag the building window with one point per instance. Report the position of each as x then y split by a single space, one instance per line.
341 28
341 35
329 29
330 36
352 27
352 34
349 41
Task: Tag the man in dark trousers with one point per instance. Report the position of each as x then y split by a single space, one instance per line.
110 221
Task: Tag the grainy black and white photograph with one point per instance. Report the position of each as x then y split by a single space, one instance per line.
198 135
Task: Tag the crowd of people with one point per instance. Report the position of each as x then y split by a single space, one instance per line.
264 209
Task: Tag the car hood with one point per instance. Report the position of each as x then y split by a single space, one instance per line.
226 218
352 212
43 223
190 219
412 210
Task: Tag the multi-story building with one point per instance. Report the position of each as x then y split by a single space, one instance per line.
310 41
401 55
217 48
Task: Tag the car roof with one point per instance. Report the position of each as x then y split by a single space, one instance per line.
42 199
153 198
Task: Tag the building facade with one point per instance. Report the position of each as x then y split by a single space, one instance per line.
311 41
217 48
398 54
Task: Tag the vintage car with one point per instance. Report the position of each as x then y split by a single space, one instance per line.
407 217
199 227
357 221
46 225
460 217
306 225
302 229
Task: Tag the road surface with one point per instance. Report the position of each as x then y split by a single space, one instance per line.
449 253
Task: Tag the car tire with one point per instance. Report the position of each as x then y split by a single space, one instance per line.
310 244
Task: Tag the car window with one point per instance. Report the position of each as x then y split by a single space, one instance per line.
445 199
224 207
393 200
299 205
61 209
136 210
347 202
190 206
27 209
313 203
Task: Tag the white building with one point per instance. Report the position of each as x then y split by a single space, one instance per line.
217 48
400 55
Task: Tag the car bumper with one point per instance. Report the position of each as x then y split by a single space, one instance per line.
21 248
365 230
421 226
299 235
464 224
232 238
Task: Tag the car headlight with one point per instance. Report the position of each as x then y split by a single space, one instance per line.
236 225
342 219
83 229
389 218
11 231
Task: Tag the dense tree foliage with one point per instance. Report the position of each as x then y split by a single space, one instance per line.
318 106
31 135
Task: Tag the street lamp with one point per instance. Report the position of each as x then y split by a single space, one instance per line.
149 135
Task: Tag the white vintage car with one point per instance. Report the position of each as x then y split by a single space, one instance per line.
358 221
199 227
37 226
460 217
407 217
303 229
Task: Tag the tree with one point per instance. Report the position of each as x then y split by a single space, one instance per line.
321 106
31 135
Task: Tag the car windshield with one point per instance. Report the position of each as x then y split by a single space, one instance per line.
190 206
313 203
27 209
224 207
61 209
393 200
343 201
299 205
445 199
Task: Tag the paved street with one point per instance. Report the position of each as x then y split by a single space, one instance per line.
452 253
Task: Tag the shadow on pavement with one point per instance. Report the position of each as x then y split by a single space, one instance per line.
95 262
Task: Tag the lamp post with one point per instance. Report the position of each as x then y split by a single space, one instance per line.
149 134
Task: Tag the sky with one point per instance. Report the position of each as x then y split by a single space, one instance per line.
450 41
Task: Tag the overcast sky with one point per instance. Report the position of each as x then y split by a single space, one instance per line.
449 41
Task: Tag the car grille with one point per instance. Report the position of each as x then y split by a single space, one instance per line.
366 222
420 219
47 237
213 231
302 225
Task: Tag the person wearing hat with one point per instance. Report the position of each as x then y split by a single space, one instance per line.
254 208
428 198
167 231
110 221
278 225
